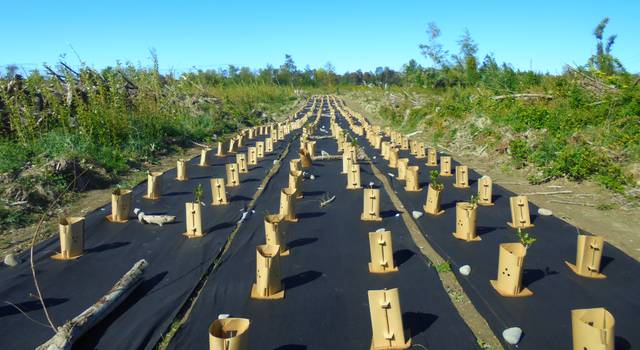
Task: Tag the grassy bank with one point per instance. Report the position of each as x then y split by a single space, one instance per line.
86 129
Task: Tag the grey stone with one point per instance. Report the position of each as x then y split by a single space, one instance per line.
10 260
465 270
512 335
545 212
417 214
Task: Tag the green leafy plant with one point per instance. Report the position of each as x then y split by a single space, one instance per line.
443 267
526 239
197 193
435 184
473 201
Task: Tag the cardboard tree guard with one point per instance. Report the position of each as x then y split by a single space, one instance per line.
381 250
204 157
154 185
520 217
485 191
386 320
593 329
295 164
393 157
311 147
260 149
273 234
229 334
432 157
71 238
404 143
402 168
346 161
240 141
120 205
510 266
371 205
295 182
305 158
218 192
268 281
462 177
268 145
287 205
241 160
194 220
384 151
232 146
445 166
588 257
220 152
432 206
466 218
353 177
233 175
181 170
252 156
412 183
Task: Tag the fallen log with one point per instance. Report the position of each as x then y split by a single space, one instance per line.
522 96
72 330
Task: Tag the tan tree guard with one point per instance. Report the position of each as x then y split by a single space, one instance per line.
466 217
445 166
412 181
120 205
371 205
311 148
240 141
268 145
220 152
260 149
305 158
485 191
404 144
154 185
204 157
71 238
280 133
462 177
386 320
251 133
181 170
510 265
386 145
268 282
232 146
377 142
295 182
593 329
194 220
432 206
287 204
229 334
420 153
233 177
520 217
588 257
402 168
381 250
273 234
346 161
252 153
353 177
393 157
432 157
241 160
218 192
294 164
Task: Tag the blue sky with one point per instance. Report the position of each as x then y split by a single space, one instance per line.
543 35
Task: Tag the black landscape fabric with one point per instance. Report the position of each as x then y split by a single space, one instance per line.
176 264
326 275
544 317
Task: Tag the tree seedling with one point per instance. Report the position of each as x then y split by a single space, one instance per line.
197 193
526 239
435 184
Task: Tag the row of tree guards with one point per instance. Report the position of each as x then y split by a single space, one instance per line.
592 328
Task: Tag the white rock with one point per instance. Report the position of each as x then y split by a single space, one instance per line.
512 335
223 316
417 214
465 270
312 177
391 175
381 229
397 214
544 212
10 260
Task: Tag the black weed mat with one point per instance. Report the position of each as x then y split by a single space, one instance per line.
176 264
326 277
544 317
